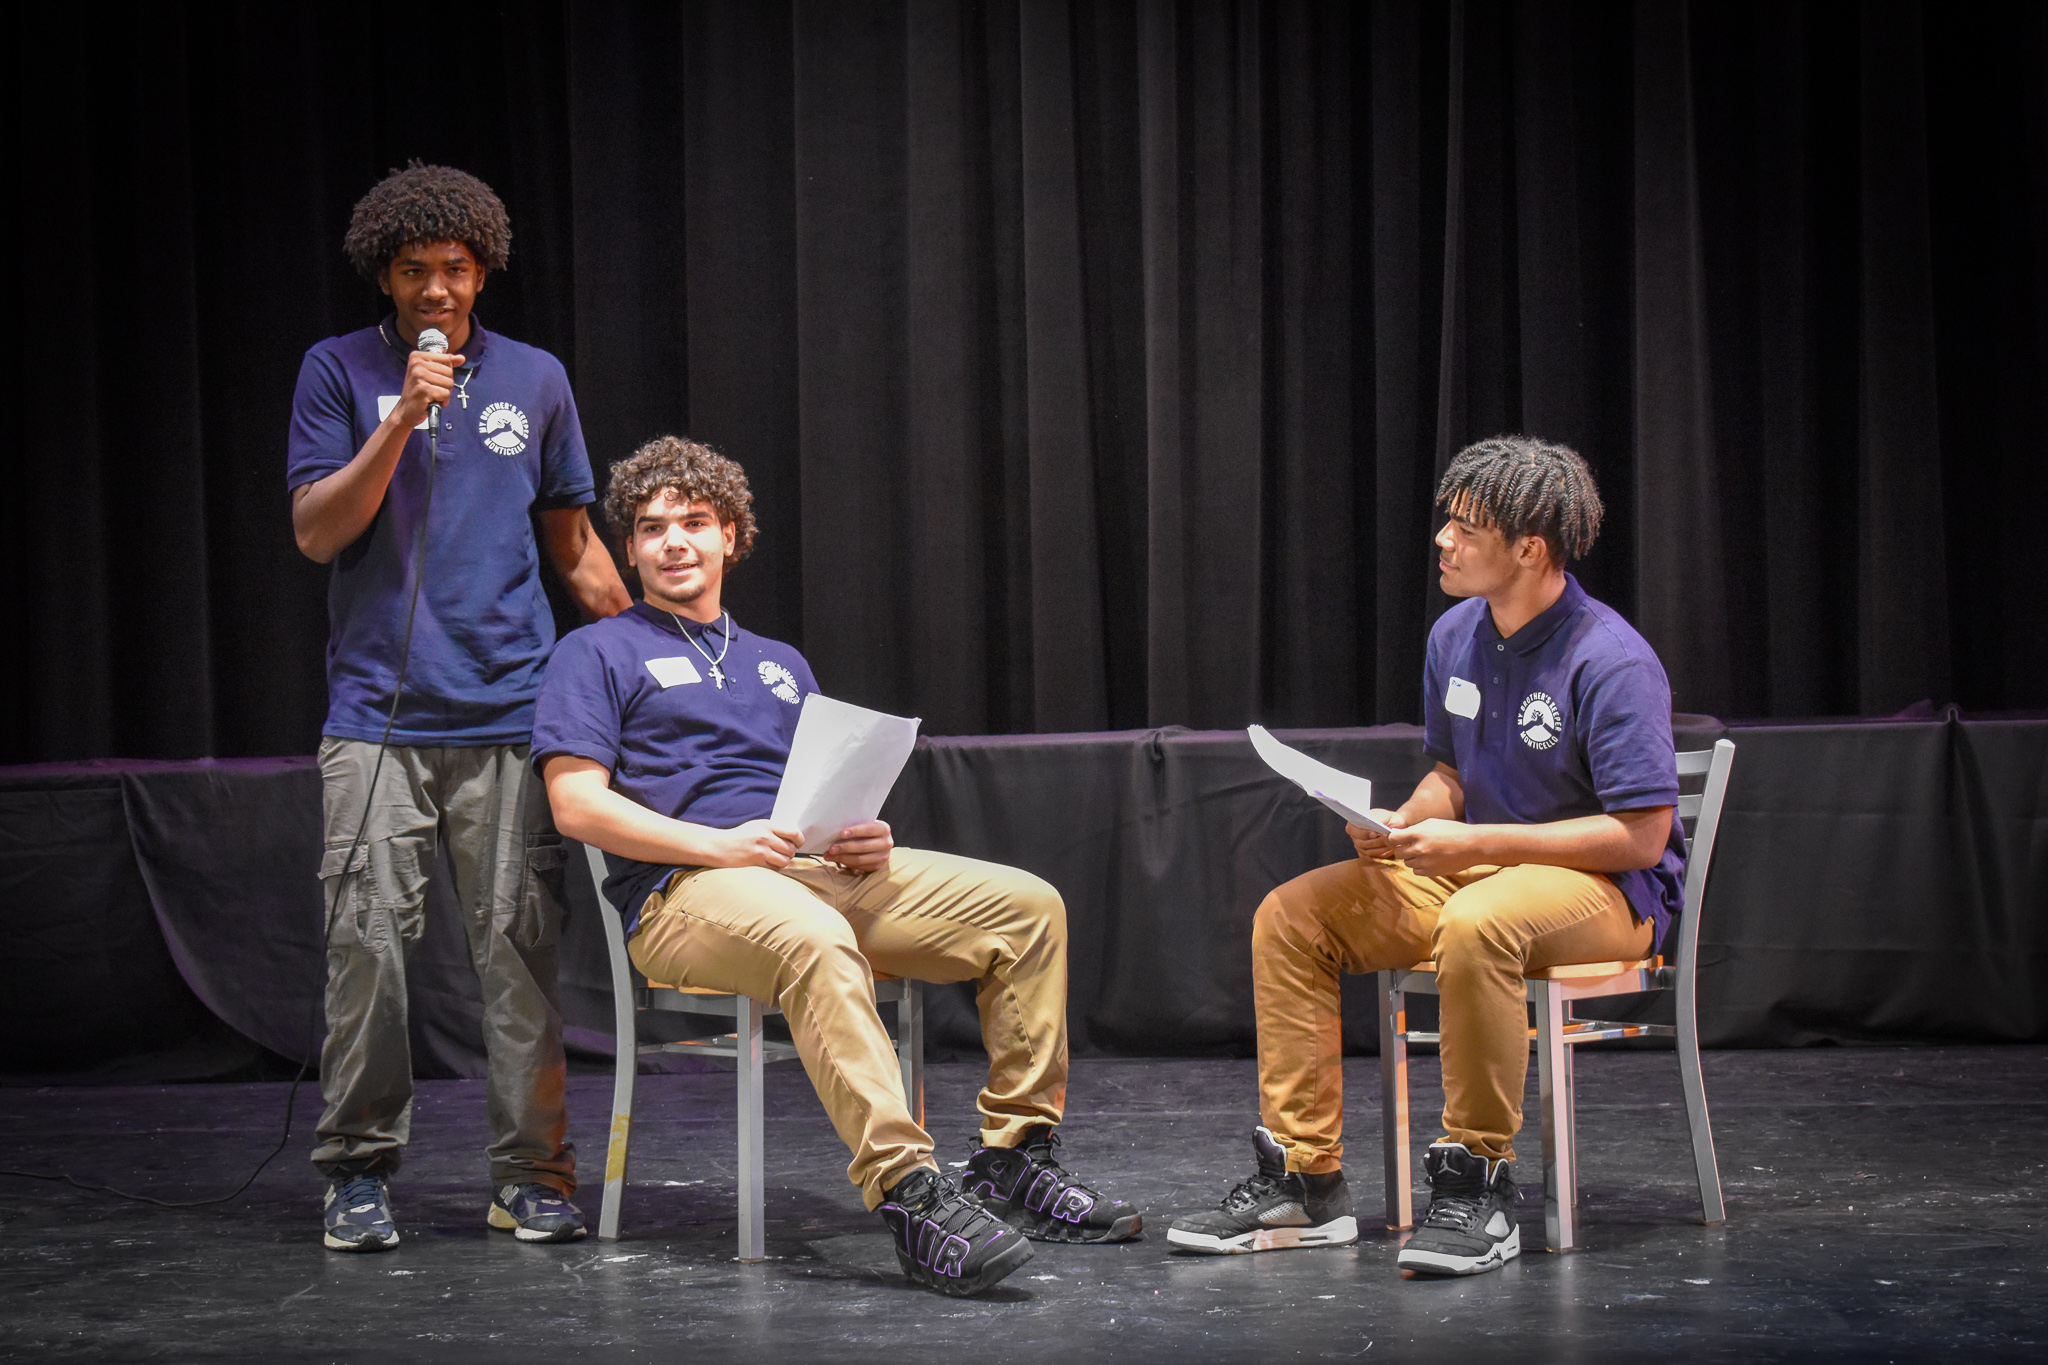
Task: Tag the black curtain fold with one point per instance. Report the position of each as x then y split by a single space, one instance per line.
1093 362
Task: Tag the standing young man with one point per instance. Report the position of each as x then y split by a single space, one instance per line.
662 734
436 601
1544 835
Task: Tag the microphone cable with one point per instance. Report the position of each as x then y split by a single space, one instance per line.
419 561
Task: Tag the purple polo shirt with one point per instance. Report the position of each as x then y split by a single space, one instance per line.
635 695
1569 716
510 444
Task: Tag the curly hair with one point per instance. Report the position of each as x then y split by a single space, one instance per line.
1526 487
690 472
426 204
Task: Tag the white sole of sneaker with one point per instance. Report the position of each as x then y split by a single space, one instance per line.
367 1244
1437 1263
1336 1232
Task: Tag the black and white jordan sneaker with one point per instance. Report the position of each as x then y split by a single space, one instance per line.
946 1241
1027 1188
1470 1227
1273 1210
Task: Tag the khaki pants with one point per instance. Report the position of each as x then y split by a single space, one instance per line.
810 938
507 863
1484 928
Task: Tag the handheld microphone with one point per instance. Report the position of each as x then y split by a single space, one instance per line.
434 341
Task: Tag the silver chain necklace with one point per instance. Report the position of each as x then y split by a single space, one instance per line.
717 673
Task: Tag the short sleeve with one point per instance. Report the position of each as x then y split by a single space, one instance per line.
578 712
565 479
323 432
805 679
1625 718
1438 741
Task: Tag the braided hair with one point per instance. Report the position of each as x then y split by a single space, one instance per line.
1525 487
426 204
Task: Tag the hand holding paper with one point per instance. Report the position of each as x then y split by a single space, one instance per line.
842 763
1350 797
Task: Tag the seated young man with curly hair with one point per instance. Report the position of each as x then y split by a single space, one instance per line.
1543 836
437 605
662 734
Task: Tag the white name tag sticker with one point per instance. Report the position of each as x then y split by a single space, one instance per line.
672 672
386 402
1461 699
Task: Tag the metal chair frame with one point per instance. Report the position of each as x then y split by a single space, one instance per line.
745 1044
1552 994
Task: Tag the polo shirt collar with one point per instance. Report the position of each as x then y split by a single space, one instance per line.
1541 626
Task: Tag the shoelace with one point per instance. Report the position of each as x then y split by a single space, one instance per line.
361 1190
1458 1212
1066 1179
951 1210
1249 1191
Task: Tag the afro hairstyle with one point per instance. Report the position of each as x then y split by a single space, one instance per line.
426 204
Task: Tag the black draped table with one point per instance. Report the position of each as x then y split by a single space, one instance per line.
1876 881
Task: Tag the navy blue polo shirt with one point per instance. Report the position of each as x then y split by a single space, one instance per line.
510 444
1569 716
633 694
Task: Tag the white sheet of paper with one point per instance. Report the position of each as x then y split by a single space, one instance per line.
1350 797
842 763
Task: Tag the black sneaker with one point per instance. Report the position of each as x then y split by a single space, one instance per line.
534 1212
1271 1211
1027 1188
358 1211
1470 1227
946 1241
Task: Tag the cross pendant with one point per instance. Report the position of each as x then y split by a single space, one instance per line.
718 676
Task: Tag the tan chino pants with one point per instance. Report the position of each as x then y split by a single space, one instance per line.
1484 927
810 938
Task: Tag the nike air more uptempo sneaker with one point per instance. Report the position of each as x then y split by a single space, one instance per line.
946 1241
1027 1188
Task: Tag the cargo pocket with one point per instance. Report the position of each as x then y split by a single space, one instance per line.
537 914
380 903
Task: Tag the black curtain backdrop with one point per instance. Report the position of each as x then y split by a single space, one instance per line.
1092 362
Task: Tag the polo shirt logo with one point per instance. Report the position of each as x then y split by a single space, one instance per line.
1539 722
504 428
778 680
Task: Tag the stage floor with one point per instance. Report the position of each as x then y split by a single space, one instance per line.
1884 1205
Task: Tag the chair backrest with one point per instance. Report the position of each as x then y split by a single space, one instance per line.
1701 812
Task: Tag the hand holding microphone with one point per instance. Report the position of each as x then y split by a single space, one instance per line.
429 380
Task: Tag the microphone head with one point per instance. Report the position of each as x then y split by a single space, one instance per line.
432 339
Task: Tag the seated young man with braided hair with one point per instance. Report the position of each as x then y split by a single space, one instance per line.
1544 835
662 734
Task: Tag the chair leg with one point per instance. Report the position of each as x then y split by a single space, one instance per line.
749 1062
1571 1107
1553 1060
1394 1103
1712 1210
910 1046
623 1075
